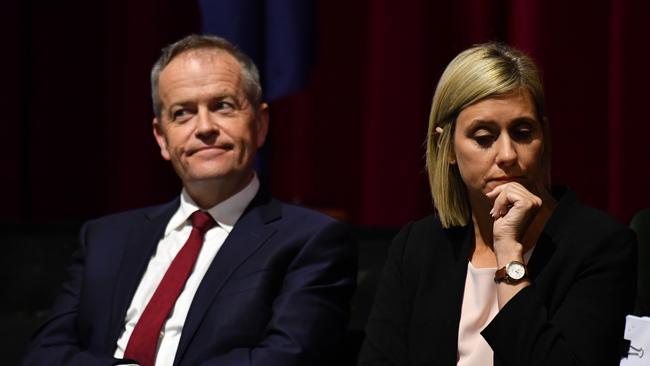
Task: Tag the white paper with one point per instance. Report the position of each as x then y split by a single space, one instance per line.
637 331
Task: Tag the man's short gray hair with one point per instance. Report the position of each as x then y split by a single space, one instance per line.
249 73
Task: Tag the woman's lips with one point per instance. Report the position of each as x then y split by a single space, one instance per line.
507 179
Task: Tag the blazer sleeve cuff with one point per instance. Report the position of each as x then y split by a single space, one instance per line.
511 333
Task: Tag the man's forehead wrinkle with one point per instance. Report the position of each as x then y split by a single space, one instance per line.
224 79
223 68
204 74
212 56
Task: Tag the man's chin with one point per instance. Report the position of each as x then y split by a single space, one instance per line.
199 178
217 177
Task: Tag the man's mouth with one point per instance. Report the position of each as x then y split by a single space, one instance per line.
214 148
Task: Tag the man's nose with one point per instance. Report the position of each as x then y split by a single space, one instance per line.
205 123
506 151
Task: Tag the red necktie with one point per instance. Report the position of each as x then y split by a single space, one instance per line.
144 339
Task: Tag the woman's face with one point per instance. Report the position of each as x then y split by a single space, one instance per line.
499 140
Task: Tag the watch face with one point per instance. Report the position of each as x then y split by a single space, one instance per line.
515 270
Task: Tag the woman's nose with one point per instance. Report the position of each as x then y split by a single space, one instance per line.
506 151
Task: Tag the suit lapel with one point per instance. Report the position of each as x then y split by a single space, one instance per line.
542 253
248 234
556 231
461 240
435 340
142 240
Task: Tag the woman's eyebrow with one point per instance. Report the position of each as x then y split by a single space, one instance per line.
480 122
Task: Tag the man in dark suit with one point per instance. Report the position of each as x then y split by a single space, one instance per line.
222 275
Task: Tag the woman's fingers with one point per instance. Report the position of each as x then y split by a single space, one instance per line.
513 208
509 195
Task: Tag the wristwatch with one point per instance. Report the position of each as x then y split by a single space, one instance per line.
513 273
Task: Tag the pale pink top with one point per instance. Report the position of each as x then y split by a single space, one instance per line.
480 306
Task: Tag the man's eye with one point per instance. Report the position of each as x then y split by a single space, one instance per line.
223 105
180 113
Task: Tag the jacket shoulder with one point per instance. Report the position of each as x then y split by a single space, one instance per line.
572 217
133 216
428 232
417 240
298 215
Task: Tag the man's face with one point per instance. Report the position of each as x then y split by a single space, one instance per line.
207 127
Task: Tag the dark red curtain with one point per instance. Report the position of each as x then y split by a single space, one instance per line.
76 139
357 132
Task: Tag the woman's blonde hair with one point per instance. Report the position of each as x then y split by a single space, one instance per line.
477 73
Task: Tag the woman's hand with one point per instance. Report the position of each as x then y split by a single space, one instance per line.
513 210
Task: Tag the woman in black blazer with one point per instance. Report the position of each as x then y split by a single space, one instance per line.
508 271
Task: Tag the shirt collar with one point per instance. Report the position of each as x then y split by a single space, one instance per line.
225 213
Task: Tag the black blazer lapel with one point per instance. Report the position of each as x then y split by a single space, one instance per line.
434 274
542 253
556 231
141 242
248 234
446 305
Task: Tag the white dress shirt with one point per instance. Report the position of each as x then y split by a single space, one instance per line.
176 234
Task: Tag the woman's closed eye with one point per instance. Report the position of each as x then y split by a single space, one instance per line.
523 133
484 138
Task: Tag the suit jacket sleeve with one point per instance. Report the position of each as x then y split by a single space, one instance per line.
311 311
57 342
386 340
587 328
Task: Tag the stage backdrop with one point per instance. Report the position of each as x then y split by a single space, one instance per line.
77 133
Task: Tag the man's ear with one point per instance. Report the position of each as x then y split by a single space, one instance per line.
159 134
262 124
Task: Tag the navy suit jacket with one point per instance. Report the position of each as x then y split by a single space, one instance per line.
276 293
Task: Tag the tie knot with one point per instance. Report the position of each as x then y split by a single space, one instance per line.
202 221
